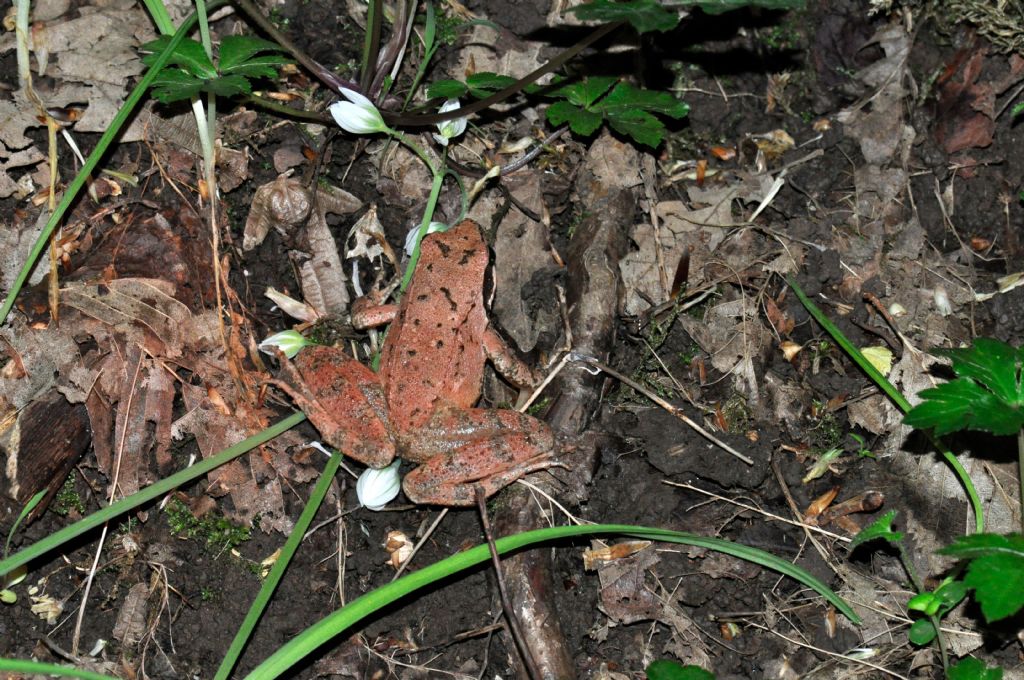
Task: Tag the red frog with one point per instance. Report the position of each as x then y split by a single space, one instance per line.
420 406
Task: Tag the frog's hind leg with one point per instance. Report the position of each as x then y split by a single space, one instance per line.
461 449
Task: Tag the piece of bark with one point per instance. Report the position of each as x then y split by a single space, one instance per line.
42 447
592 293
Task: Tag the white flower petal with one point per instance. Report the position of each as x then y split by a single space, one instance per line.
376 488
410 238
357 99
450 129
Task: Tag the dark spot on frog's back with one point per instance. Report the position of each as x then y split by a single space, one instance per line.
422 296
467 255
439 344
448 296
443 247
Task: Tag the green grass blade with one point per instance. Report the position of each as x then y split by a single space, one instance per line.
25 512
302 645
894 394
151 492
35 669
848 347
277 571
93 160
160 16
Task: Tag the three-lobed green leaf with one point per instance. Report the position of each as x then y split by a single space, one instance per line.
479 85
241 58
627 109
995 572
988 394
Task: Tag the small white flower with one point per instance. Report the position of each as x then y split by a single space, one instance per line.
377 488
289 342
358 115
449 129
410 238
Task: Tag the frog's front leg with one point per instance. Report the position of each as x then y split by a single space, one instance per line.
459 449
344 400
508 363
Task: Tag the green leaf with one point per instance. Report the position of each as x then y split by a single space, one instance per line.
189 55
663 669
998 582
924 602
973 669
996 571
644 15
625 97
484 84
446 89
228 86
963 404
479 85
259 67
720 6
581 122
1017 109
921 632
238 49
585 92
641 126
992 363
951 592
175 85
979 545
880 528
429 27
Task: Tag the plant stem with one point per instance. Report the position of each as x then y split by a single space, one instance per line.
281 109
437 168
915 580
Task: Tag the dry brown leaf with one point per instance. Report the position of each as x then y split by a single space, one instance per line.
624 596
130 305
522 260
130 627
606 553
966 109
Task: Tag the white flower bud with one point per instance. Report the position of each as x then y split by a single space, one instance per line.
358 115
377 488
289 342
